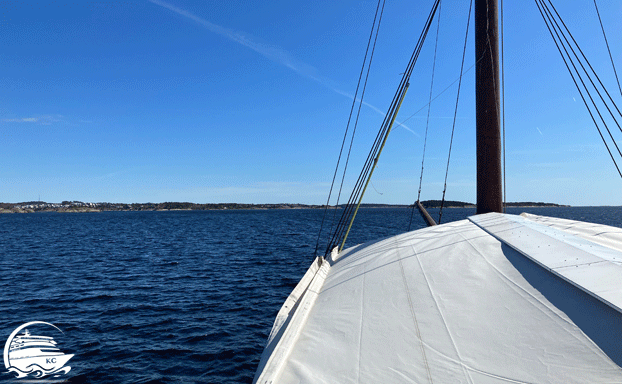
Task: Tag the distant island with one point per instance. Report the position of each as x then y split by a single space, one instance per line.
79 206
461 204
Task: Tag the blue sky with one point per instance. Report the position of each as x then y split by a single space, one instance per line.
239 101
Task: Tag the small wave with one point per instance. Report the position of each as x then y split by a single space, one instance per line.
168 352
36 371
93 352
102 297
61 371
124 326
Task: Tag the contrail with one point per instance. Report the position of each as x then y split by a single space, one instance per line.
273 53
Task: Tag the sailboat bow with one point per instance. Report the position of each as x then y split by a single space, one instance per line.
494 298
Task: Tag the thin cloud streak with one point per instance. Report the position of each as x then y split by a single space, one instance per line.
22 120
348 95
273 53
379 111
43 120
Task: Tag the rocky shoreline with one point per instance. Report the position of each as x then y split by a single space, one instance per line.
79 206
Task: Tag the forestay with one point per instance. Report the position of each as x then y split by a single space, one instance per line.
458 303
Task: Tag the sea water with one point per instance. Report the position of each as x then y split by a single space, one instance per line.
180 296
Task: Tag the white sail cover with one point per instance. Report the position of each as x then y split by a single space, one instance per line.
492 299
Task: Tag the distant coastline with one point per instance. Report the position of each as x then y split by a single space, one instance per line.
79 206
461 204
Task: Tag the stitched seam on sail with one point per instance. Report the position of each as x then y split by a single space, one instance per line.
412 312
358 371
438 308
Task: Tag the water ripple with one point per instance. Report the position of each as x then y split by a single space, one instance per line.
170 297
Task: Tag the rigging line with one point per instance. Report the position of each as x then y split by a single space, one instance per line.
359 183
608 50
427 124
348 208
372 185
503 105
412 211
389 120
347 127
591 68
356 191
588 75
540 4
386 126
466 37
371 155
440 93
336 205
358 112
373 167
347 213
556 24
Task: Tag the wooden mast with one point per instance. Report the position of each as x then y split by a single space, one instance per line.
488 142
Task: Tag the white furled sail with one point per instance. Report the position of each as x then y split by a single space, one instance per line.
473 301
494 298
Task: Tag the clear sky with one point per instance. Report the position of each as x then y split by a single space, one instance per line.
247 101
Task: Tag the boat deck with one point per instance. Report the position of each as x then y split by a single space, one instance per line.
491 299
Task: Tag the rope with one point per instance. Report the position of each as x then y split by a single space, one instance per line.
372 158
441 92
608 50
357 118
555 30
552 21
372 185
586 72
359 184
384 141
427 123
389 118
347 127
440 213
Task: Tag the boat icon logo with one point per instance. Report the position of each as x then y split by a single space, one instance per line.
34 356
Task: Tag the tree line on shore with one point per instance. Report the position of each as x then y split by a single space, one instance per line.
78 206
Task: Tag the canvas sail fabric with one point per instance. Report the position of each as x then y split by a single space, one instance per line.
453 304
601 234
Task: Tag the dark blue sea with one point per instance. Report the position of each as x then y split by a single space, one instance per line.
179 296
